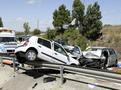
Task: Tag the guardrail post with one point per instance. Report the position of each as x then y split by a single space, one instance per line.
61 74
14 67
1 61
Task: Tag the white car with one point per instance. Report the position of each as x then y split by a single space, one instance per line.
38 48
104 55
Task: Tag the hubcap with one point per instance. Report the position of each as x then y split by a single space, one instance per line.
31 56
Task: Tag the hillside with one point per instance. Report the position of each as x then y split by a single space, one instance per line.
111 37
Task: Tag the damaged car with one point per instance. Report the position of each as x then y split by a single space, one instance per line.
75 51
101 57
37 48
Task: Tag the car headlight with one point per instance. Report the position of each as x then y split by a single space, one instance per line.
2 49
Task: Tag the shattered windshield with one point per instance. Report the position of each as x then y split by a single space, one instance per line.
76 50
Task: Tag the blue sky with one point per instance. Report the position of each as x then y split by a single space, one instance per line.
15 12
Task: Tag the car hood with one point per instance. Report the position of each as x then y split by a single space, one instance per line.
9 45
92 54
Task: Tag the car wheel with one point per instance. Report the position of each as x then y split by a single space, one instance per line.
31 55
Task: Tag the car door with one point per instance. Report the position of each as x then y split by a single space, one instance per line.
59 54
106 54
112 56
45 50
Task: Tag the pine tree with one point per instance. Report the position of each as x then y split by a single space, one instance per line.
78 13
61 17
92 22
1 23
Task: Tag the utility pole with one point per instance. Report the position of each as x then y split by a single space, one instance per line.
37 23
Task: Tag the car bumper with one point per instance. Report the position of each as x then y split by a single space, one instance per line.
20 54
20 49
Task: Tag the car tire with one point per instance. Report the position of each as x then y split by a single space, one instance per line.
31 55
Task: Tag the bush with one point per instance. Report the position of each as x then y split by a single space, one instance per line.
51 34
36 32
73 37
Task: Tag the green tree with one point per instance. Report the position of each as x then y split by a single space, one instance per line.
1 23
73 37
36 32
26 27
51 34
78 13
61 17
19 33
93 24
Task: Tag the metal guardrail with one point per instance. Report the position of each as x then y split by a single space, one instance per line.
79 70
91 73
101 75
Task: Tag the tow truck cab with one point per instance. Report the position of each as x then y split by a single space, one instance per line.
7 40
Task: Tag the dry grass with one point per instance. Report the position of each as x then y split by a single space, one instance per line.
117 70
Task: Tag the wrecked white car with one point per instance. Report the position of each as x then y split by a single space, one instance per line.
101 57
36 48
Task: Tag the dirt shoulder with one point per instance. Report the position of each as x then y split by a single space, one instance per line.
6 73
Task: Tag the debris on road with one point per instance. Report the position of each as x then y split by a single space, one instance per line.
8 62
